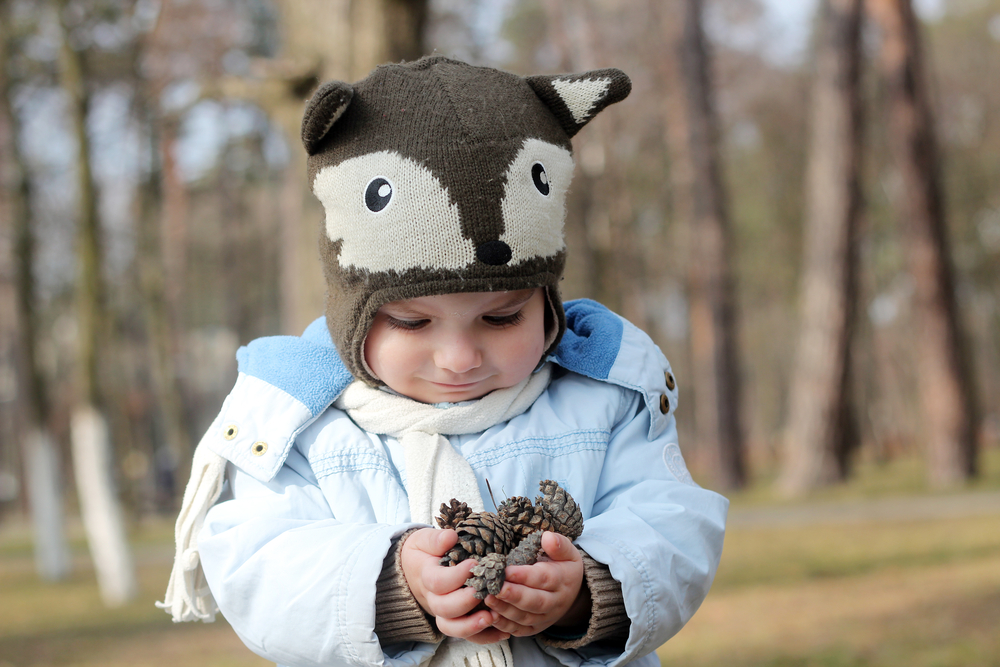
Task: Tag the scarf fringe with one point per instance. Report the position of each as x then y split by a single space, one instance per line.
461 653
188 597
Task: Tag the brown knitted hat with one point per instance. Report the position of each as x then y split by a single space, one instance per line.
440 177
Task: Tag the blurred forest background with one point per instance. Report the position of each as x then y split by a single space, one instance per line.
800 202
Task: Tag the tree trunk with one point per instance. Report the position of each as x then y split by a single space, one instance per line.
701 198
99 506
92 459
947 387
44 476
41 457
325 39
822 430
160 319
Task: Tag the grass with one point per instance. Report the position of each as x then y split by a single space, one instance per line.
65 624
871 479
914 592
918 591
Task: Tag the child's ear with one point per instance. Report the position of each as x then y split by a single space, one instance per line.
326 105
576 98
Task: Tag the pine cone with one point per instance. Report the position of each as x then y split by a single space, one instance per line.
450 515
479 534
526 553
488 575
559 511
518 513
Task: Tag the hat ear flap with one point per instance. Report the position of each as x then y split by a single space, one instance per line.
576 98
326 105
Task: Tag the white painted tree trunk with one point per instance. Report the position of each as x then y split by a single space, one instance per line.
45 495
99 507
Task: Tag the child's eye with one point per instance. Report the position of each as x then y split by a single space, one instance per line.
504 321
404 325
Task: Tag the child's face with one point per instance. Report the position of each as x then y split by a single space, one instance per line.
457 347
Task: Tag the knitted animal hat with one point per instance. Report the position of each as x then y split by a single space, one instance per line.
440 177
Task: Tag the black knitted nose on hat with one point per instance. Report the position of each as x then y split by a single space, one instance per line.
439 177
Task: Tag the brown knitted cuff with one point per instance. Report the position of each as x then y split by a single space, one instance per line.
398 615
608 619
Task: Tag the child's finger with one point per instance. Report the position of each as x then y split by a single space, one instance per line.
454 604
433 542
466 627
541 576
440 579
489 636
512 616
526 599
513 629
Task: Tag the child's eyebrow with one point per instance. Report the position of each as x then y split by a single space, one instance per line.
403 311
515 300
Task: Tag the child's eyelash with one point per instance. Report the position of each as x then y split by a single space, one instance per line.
504 321
404 325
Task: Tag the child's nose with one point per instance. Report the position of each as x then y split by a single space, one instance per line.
459 354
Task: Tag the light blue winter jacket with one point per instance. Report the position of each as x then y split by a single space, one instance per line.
294 546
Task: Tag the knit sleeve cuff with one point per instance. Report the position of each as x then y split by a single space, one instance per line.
608 619
398 615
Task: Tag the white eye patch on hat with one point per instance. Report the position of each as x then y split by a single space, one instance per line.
392 213
533 224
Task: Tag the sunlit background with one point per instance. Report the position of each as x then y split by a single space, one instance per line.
865 530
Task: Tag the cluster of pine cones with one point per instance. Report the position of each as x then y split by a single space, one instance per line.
511 536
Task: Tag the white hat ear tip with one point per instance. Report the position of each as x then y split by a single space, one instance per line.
575 99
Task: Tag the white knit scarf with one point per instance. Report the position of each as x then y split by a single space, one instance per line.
436 472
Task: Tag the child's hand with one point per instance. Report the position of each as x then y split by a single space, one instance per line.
441 591
550 592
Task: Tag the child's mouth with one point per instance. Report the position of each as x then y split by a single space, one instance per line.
461 385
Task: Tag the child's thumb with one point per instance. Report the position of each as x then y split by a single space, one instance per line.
444 540
431 541
559 547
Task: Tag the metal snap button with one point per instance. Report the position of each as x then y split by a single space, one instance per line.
230 432
664 404
670 381
259 448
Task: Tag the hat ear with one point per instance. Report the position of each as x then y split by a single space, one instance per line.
576 98
326 105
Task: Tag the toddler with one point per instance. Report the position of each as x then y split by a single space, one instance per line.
446 361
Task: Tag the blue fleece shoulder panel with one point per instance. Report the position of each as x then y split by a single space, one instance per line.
317 332
592 340
312 373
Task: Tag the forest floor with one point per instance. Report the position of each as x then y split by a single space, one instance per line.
873 574
877 573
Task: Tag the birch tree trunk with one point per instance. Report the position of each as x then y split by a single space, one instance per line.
41 457
696 174
99 505
822 431
947 387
